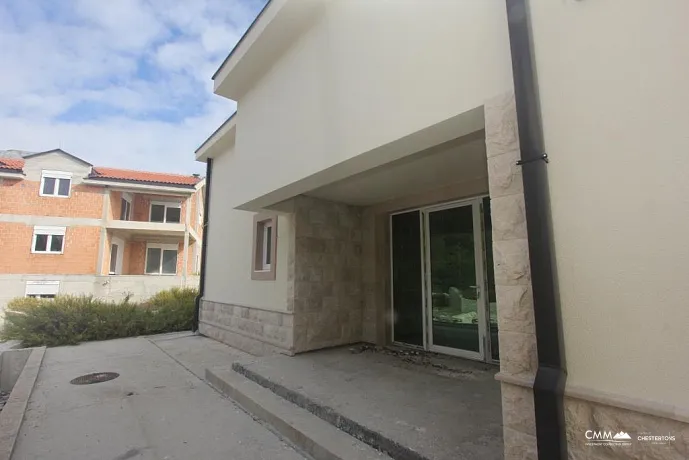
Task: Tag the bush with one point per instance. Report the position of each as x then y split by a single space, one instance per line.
68 320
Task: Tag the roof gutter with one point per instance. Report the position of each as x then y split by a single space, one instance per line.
550 379
11 175
204 246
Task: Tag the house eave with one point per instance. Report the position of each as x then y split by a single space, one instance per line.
221 140
142 187
274 29
11 174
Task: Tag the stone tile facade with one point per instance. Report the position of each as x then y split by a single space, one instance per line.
583 415
326 267
253 330
517 336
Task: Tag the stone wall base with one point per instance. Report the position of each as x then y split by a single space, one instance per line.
253 330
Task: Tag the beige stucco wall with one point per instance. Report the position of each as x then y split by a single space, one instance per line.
229 239
348 103
615 107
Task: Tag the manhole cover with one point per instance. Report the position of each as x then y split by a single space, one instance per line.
98 377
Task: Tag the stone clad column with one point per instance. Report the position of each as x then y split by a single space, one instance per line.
517 336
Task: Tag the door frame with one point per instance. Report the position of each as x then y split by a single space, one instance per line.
476 203
119 242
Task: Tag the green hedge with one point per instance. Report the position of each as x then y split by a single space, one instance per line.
68 320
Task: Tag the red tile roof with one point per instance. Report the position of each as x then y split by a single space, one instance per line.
130 175
15 164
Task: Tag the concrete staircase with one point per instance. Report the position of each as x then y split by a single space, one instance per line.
307 431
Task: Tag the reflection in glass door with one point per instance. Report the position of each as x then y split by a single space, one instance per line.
454 280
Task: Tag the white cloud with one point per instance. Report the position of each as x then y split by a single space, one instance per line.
123 83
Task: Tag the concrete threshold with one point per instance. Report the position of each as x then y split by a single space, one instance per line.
12 414
300 425
373 438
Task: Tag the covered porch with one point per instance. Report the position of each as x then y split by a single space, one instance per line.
406 404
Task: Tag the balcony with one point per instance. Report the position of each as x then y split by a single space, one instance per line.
138 216
141 229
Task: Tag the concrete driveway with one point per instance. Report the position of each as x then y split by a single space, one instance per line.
158 408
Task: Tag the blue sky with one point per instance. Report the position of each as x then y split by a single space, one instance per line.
124 83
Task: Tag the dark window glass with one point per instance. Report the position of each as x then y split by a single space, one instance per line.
269 244
173 215
41 243
169 262
157 213
48 186
63 187
125 210
153 260
406 278
113 258
56 243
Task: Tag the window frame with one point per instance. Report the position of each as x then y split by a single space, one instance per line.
260 269
50 231
54 291
166 205
50 174
163 247
128 198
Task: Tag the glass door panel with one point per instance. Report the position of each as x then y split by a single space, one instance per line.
407 285
453 281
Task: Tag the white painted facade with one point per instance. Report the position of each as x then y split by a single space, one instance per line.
363 84
615 106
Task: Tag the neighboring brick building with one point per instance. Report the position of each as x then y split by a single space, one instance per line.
67 226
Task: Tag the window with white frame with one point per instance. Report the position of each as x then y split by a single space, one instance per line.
48 240
264 248
55 183
161 259
42 289
126 208
162 211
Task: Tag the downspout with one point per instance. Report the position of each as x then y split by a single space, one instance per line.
549 384
204 245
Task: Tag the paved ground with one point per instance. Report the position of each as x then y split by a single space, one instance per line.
441 407
157 408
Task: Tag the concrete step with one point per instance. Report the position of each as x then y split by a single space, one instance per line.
314 436
371 437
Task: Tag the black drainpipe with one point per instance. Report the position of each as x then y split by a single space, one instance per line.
204 245
550 378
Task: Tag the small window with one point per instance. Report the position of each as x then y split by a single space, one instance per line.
161 259
48 240
165 212
55 183
265 241
126 208
42 289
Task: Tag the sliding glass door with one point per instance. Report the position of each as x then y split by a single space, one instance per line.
442 279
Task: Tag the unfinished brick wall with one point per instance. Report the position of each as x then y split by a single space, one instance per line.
22 197
137 258
115 205
79 258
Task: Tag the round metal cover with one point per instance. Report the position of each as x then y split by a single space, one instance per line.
97 377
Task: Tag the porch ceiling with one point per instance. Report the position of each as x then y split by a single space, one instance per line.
453 162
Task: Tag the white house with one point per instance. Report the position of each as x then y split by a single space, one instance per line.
379 183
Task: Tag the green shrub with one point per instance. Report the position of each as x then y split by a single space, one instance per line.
68 320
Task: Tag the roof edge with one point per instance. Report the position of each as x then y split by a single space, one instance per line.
242 38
